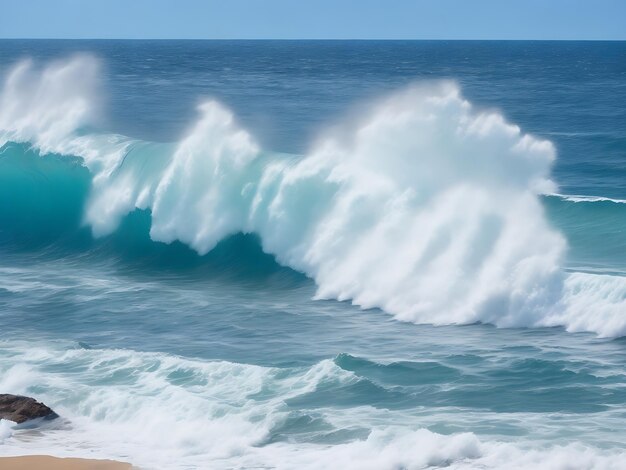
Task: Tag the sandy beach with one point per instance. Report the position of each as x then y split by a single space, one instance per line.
44 462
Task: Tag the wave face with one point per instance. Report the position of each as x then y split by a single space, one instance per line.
425 207
595 229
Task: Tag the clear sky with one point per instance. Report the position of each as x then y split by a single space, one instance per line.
314 19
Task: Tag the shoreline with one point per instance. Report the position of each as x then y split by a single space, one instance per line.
38 462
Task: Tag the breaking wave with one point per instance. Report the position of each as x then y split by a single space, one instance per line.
425 207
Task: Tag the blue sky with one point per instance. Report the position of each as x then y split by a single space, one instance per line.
315 19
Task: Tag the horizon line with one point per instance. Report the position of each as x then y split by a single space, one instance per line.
306 39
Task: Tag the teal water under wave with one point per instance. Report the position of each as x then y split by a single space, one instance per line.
44 199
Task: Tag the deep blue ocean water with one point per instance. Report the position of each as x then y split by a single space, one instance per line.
316 254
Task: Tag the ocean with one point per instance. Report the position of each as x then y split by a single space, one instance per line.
316 254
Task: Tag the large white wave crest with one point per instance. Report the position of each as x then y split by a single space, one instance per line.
426 208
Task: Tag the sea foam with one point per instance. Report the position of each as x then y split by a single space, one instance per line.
163 411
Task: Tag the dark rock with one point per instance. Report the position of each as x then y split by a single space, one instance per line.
19 409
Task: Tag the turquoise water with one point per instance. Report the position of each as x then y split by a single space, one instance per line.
351 255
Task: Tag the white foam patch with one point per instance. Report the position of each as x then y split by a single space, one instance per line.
565 457
6 429
584 198
592 302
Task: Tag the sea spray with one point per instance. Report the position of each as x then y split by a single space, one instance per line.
47 106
